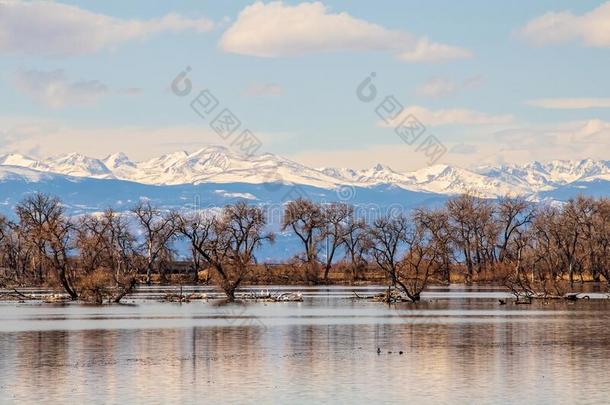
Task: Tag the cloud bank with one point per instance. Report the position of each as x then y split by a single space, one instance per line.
49 28
449 116
53 89
570 103
590 29
277 29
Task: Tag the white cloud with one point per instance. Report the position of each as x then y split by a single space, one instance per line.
569 140
567 135
439 87
463 149
47 137
592 28
276 29
263 89
426 51
479 145
450 116
49 28
513 144
54 90
131 91
570 103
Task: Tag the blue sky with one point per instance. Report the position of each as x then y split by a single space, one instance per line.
494 82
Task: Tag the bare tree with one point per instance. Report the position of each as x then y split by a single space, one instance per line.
437 223
306 221
389 239
567 231
335 218
474 230
16 254
43 221
158 230
357 244
107 248
547 261
463 225
422 260
228 242
599 249
514 214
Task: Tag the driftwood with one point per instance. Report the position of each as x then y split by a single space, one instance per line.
182 298
266 296
13 293
575 297
362 297
389 297
56 298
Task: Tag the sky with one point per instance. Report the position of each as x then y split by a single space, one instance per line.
492 82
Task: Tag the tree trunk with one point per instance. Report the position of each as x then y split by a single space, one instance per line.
149 274
326 271
66 285
230 293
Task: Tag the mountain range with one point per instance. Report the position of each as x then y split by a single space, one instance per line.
222 174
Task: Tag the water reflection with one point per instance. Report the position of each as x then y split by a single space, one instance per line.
458 350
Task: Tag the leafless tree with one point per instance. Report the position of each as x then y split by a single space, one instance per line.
335 218
514 214
462 215
389 235
475 232
437 223
16 253
566 231
108 248
43 220
422 260
599 237
357 244
158 230
306 220
228 241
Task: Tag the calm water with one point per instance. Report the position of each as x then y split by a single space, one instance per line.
459 346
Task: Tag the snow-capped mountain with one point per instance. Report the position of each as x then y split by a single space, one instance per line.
15 159
74 164
549 175
219 165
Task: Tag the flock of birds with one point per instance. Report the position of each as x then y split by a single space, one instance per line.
389 352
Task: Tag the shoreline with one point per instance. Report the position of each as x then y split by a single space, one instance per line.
262 292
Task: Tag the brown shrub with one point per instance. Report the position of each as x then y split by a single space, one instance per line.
97 286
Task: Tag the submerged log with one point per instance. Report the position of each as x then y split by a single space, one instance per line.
55 298
575 297
388 297
266 296
171 297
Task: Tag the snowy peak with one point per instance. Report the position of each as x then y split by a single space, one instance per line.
221 165
74 164
117 160
569 171
16 159
549 175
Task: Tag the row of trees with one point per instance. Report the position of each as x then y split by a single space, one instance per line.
100 257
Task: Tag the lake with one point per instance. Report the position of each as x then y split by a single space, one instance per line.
458 346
